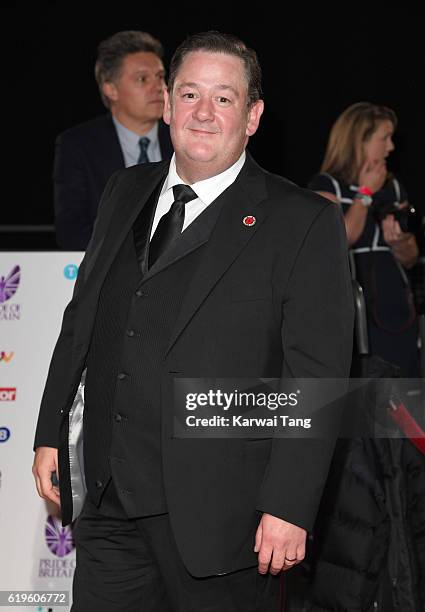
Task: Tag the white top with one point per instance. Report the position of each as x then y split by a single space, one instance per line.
207 191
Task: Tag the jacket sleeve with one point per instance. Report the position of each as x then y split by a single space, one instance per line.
317 332
60 374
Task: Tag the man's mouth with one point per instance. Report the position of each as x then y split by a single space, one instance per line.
199 131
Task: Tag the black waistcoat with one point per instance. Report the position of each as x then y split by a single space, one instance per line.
136 313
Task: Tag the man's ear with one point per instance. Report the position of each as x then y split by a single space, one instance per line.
254 116
167 107
110 91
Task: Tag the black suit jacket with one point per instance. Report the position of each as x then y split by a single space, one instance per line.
85 158
272 299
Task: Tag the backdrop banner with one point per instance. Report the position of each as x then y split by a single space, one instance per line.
37 553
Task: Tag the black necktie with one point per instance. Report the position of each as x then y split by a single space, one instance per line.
143 144
170 224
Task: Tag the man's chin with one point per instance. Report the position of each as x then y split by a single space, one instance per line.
155 113
201 155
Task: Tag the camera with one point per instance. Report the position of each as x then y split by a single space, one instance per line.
406 217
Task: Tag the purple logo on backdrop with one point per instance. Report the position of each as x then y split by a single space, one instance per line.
59 539
9 284
8 287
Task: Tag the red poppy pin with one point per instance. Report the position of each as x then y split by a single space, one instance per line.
249 220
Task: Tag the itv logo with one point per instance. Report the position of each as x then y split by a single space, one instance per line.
6 357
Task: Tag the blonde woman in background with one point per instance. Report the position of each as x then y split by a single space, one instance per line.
354 175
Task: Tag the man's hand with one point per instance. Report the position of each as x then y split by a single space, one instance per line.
279 544
45 463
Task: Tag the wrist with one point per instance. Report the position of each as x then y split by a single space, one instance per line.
365 199
365 190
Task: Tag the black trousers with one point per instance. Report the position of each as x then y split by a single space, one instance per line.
133 565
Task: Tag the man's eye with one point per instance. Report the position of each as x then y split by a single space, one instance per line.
223 100
189 95
141 79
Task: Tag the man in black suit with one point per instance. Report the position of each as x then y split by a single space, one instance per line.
130 75
207 266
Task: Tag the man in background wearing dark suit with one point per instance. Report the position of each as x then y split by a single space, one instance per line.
205 266
131 79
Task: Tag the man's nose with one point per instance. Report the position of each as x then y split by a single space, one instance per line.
157 86
203 110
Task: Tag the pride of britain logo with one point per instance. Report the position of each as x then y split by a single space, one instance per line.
8 287
59 539
9 284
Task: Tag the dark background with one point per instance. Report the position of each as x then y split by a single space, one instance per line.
315 64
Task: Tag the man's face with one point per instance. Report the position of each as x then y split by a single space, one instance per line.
208 112
138 92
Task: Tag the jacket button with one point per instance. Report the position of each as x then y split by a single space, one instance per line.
118 418
122 375
130 332
99 484
140 293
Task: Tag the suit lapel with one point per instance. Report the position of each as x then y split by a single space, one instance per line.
132 199
142 228
192 238
229 236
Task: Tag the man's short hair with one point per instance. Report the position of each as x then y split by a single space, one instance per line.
112 51
217 42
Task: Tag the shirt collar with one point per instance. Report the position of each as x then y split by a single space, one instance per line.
126 135
209 189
